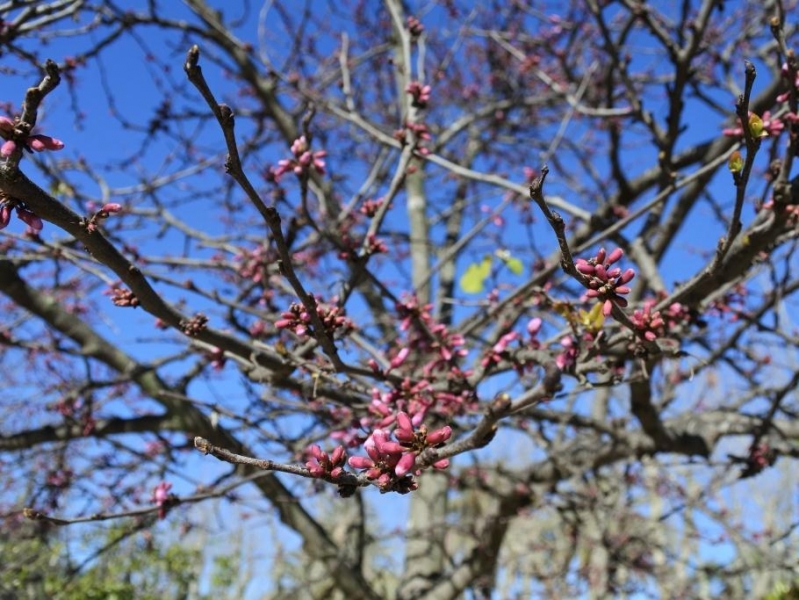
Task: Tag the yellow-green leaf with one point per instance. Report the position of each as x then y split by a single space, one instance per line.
593 319
514 264
756 126
473 279
736 163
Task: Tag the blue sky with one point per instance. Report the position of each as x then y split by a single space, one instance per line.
95 131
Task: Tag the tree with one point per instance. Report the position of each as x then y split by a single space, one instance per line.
529 266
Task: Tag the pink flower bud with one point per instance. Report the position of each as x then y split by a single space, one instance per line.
534 326
405 464
622 289
360 462
400 358
30 219
378 438
44 142
8 147
405 436
314 469
5 215
390 448
607 308
441 464
111 207
439 436
6 125
584 267
600 256
615 256
601 273
627 276
317 452
404 422
339 454
299 146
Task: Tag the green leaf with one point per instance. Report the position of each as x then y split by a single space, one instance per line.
473 279
514 264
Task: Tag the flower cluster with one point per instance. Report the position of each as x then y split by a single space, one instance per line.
499 350
786 74
389 463
13 139
370 207
428 339
253 263
298 319
162 498
122 297
217 357
420 94
415 27
568 357
421 134
760 456
321 465
605 282
194 326
654 324
302 161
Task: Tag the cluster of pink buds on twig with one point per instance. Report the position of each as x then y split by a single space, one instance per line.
323 465
786 73
421 134
370 207
389 463
302 161
499 350
605 282
649 323
420 94
194 326
121 296
298 319
415 27
163 499
37 142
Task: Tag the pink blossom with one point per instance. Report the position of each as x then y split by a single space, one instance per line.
321 464
605 282
405 464
420 94
162 498
31 220
5 215
40 143
302 161
8 148
568 357
6 126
